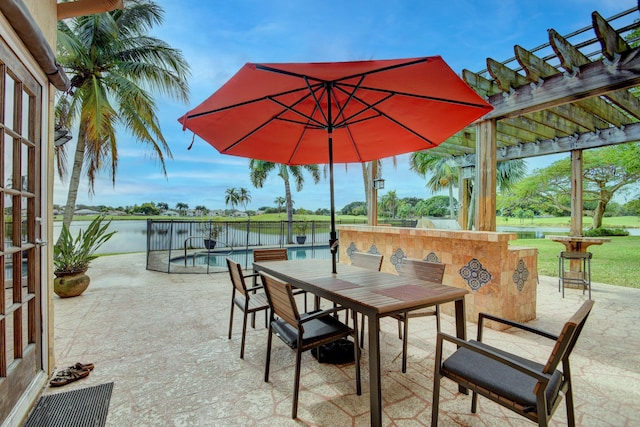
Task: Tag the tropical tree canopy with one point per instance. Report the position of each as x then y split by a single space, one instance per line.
115 67
260 170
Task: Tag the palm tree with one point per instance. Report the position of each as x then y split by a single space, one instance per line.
280 202
260 169
182 208
444 173
114 65
389 202
244 197
201 210
232 198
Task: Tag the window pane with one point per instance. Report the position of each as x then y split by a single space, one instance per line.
25 115
8 221
8 101
8 162
24 167
24 233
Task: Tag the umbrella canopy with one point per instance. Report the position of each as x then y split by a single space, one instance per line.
338 112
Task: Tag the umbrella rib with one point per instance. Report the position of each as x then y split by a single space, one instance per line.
241 104
293 110
414 95
372 107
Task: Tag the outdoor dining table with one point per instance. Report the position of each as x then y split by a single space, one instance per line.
372 293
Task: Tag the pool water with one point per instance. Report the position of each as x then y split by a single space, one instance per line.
245 258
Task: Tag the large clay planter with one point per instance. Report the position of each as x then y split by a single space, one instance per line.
68 285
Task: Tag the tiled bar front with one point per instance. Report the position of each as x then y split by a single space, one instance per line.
502 279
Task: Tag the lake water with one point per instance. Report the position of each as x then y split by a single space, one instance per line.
131 235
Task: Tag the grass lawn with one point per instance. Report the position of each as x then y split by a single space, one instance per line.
565 221
615 263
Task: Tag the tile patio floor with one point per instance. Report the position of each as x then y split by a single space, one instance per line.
162 340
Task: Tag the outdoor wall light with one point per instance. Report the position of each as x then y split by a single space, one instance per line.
61 136
378 184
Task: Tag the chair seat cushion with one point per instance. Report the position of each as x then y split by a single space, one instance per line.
499 378
314 330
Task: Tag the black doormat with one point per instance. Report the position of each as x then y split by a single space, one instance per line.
78 408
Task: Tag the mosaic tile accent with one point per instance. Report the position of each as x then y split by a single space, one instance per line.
432 257
374 250
475 274
397 257
520 275
351 249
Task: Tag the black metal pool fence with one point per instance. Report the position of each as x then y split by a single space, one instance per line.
183 246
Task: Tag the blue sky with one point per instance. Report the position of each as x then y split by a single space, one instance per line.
218 37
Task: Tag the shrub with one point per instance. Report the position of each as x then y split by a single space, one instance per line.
601 232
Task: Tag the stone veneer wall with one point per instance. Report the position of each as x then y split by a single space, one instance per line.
502 279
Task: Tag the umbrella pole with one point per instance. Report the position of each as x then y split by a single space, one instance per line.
333 240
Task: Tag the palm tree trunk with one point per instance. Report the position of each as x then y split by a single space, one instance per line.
74 180
287 191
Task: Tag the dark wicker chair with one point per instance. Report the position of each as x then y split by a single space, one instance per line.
533 390
372 262
301 332
422 270
247 299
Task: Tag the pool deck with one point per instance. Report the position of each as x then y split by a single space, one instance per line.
162 339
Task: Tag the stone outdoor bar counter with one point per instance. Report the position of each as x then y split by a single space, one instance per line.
502 279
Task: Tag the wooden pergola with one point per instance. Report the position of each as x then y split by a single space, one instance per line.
579 96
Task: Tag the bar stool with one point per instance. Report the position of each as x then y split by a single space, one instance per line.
584 279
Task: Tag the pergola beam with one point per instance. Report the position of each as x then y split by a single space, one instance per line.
593 79
612 136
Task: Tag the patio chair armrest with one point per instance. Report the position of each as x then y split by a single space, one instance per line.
471 346
255 288
317 314
482 316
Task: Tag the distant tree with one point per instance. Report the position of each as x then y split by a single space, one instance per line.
201 210
182 208
355 208
244 198
436 206
389 202
324 211
405 210
280 203
631 208
163 206
148 208
231 198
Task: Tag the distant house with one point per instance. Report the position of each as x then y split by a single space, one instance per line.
170 213
86 212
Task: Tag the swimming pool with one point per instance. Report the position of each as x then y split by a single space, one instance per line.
217 259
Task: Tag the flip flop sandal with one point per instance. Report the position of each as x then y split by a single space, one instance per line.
82 366
67 376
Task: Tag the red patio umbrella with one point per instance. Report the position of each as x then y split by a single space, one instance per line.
335 112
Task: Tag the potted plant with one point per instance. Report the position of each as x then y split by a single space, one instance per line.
71 257
301 231
214 232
